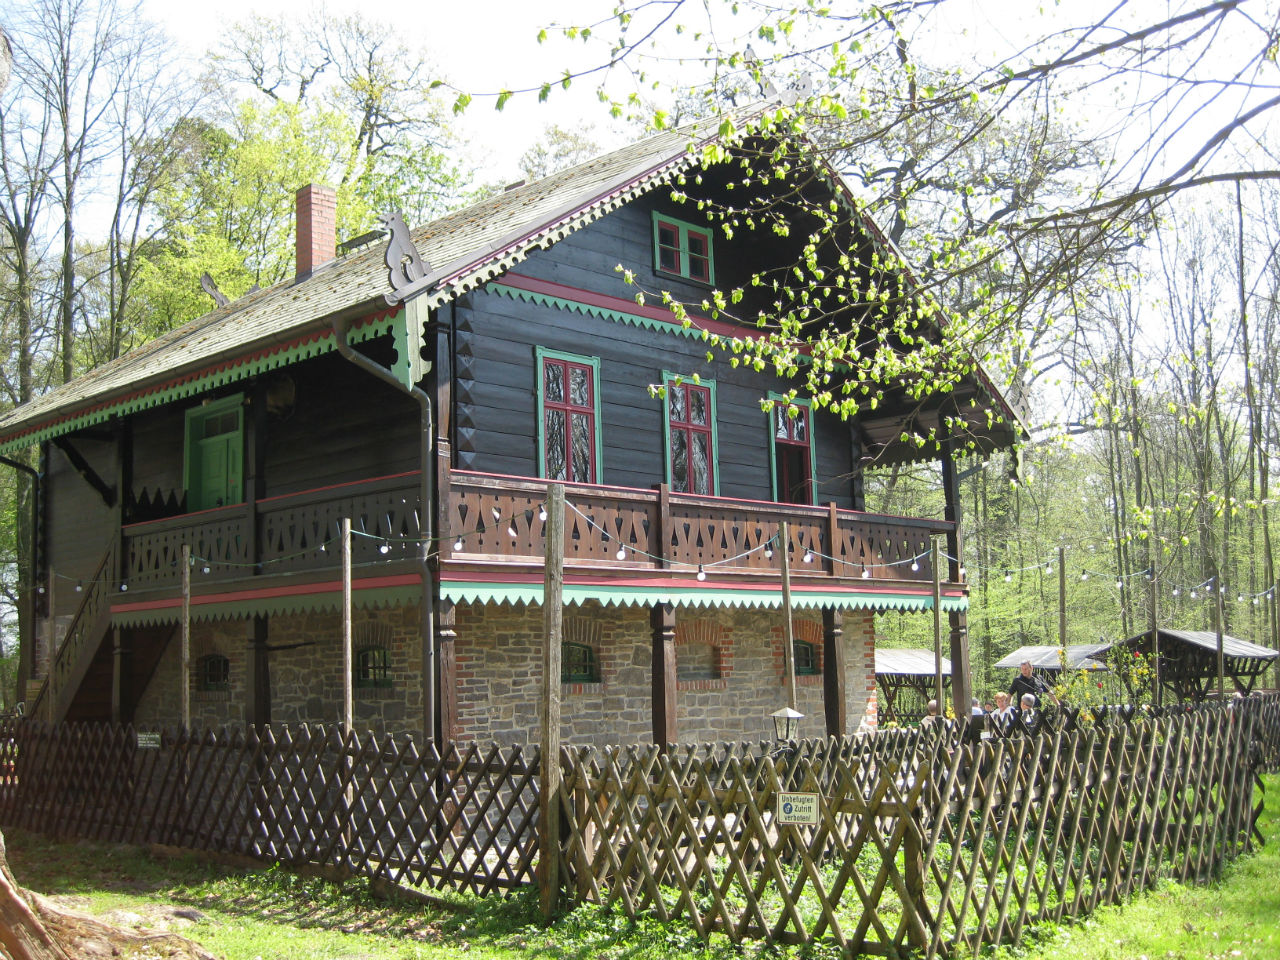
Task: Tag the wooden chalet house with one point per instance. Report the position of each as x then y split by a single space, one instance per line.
432 409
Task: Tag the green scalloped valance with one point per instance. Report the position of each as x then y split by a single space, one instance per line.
681 594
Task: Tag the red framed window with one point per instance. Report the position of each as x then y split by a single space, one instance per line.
792 454
569 438
690 420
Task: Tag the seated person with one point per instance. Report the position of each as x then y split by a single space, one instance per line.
931 715
1028 715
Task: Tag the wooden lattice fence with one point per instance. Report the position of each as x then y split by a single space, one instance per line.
924 844
292 795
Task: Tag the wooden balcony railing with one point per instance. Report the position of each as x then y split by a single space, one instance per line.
276 535
495 519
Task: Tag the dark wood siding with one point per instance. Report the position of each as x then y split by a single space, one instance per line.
497 388
80 524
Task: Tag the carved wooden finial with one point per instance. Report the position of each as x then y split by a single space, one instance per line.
211 288
404 264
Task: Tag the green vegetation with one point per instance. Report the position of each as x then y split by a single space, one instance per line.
268 913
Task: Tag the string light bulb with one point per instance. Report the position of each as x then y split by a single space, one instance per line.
1119 584
542 514
1084 575
808 555
915 564
1176 591
702 574
866 574
768 550
204 569
80 587
1193 594
622 553
124 588
457 545
384 548
511 531
497 514
1008 576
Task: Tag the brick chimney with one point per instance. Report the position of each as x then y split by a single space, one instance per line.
317 210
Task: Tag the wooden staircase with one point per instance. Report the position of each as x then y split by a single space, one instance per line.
79 648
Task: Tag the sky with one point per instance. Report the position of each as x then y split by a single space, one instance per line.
480 47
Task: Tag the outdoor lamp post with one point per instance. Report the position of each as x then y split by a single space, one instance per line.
786 723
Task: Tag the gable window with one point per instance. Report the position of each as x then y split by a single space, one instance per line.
569 416
213 673
214 456
682 250
578 663
791 443
691 436
806 658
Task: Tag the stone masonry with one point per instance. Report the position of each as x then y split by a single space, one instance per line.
729 661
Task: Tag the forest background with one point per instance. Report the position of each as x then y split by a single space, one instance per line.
1092 207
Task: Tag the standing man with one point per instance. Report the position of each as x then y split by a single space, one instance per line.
1027 682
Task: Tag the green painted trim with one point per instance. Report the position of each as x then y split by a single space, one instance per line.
258 363
541 353
683 227
408 333
379 599
602 313
813 454
682 595
669 377
194 418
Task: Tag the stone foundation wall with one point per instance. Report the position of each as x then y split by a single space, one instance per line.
499 657
306 676
729 661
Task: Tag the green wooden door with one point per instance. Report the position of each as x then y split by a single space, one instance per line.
214 455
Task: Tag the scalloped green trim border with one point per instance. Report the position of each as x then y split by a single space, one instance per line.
473 592
603 313
376 599
228 373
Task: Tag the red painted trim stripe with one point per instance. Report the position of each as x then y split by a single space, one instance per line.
267 593
481 576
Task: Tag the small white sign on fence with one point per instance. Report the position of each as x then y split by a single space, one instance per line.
799 808
148 741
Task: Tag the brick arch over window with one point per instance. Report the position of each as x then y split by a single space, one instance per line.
210 670
580 651
704 655
806 632
371 661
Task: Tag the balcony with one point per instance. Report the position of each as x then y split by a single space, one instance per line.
492 522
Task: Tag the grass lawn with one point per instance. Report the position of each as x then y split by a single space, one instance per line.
265 914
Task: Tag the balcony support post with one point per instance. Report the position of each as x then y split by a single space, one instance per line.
960 676
833 672
447 661
259 706
119 677
662 618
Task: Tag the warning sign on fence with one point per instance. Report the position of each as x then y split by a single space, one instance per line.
798 808
148 741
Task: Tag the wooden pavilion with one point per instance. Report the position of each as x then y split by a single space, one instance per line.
1048 662
1189 662
907 681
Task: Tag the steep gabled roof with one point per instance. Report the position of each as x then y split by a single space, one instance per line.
293 319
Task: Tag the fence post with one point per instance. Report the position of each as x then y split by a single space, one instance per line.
553 622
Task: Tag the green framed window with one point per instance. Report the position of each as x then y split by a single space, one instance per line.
792 465
213 460
568 416
578 663
806 658
372 667
689 430
213 672
682 249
